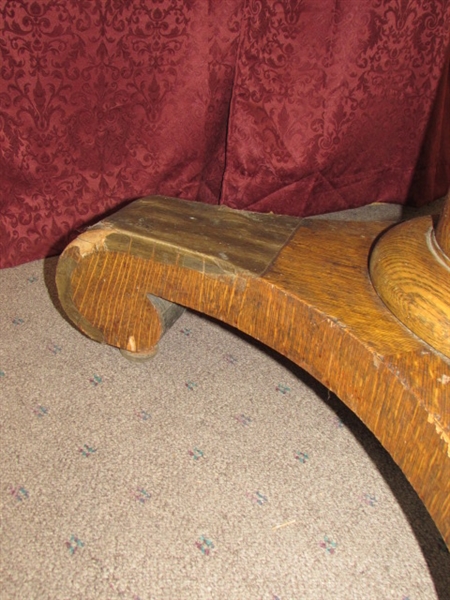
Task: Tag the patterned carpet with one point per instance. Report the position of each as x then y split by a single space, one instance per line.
217 470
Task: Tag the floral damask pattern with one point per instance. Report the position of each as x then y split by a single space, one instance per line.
101 102
331 102
293 106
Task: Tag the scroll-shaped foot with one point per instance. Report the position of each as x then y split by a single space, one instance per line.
105 277
104 294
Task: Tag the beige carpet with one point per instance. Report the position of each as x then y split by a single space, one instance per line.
218 470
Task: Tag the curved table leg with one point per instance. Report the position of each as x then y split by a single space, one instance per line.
300 286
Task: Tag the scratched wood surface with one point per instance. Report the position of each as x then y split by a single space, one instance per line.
307 294
215 239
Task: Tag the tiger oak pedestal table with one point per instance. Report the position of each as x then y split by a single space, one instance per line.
362 306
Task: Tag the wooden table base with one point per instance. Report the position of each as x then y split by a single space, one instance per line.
300 286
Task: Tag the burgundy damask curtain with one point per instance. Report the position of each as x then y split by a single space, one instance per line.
292 106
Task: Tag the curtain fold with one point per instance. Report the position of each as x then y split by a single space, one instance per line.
290 106
331 102
431 178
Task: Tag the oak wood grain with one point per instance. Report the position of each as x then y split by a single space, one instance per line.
307 294
412 275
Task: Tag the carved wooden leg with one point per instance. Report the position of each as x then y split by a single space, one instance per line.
300 286
106 297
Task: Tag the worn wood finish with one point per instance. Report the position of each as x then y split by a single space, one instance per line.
105 292
213 238
105 300
310 298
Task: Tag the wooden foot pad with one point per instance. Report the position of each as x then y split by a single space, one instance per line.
300 286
